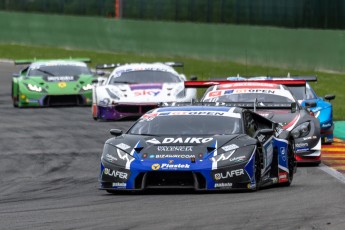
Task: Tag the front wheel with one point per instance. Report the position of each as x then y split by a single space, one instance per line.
257 170
15 99
291 165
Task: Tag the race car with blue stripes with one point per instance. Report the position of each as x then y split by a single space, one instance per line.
273 102
321 106
203 146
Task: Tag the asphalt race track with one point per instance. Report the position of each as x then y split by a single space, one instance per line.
49 163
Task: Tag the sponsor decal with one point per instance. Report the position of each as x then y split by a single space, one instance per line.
145 92
60 78
302 150
213 113
237 159
153 141
223 185
116 174
309 138
301 145
215 94
123 146
155 166
188 140
118 184
175 166
62 84
229 147
268 91
229 174
180 156
228 91
175 148
326 125
283 152
110 158
149 116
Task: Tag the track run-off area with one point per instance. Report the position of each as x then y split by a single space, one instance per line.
49 166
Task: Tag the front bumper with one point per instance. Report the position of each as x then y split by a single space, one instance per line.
198 176
47 100
122 110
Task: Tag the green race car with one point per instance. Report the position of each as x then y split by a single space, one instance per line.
52 83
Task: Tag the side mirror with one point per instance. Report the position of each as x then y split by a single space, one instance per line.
310 104
330 97
94 81
116 132
193 78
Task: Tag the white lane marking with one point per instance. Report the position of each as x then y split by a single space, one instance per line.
334 173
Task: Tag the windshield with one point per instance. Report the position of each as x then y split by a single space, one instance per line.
187 125
249 97
60 70
302 93
145 76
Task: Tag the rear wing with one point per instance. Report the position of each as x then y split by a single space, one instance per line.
114 65
29 61
247 105
206 84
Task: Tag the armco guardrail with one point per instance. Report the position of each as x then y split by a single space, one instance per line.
302 48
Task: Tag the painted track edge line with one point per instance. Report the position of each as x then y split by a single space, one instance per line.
334 173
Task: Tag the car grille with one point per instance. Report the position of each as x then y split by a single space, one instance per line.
137 109
63 100
170 180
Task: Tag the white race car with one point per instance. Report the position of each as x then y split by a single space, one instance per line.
133 89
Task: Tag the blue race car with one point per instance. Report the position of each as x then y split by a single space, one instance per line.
198 147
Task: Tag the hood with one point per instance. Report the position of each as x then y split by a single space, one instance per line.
157 92
61 84
183 147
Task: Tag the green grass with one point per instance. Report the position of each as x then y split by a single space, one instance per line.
328 83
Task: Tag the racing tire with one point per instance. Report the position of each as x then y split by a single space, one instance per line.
111 191
257 170
14 99
292 163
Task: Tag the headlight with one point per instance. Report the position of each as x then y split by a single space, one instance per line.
301 131
233 156
87 87
116 156
34 88
181 94
113 94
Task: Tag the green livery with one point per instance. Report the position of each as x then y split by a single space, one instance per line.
52 83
